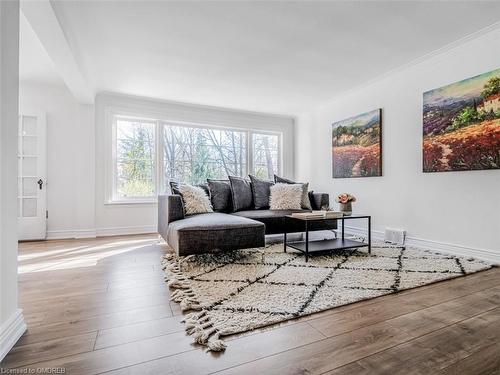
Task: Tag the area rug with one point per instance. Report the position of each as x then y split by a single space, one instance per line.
242 290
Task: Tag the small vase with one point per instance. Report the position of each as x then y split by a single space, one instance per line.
346 208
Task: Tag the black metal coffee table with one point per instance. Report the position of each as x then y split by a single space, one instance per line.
342 243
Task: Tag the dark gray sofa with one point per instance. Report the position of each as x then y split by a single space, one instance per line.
228 231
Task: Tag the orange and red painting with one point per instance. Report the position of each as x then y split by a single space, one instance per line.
357 146
461 127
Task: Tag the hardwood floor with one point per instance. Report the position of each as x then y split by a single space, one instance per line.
101 306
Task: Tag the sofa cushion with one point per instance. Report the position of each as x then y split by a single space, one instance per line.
214 231
273 219
241 192
265 215
261 190
276 222
174 187
196 200
306 201
286 197
220 195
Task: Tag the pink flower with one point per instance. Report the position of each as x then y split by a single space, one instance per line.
345 198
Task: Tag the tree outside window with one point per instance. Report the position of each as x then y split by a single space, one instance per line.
192 154
189 154
265 155
135 159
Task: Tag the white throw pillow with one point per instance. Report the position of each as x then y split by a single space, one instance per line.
285 197
196 201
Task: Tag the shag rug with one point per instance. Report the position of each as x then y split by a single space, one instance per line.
242 290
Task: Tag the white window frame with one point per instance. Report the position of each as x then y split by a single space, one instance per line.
160 184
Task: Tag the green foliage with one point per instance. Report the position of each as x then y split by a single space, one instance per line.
200 169
190 155
135 157
491 87
356 135
467 116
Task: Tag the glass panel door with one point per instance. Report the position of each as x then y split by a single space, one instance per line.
31 197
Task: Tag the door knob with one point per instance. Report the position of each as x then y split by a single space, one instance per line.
40 183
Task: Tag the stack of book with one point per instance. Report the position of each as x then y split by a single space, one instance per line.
318 215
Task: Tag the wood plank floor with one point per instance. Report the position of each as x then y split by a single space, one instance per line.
101 306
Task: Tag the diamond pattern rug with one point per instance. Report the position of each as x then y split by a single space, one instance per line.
245 289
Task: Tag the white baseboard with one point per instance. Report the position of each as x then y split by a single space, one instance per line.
11 331
70 234
443 247
100 232
121 231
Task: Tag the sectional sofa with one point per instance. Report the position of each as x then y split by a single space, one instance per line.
214 231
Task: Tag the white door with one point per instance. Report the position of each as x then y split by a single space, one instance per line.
32 166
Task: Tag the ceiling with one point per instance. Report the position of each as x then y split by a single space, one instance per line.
279 57
35 64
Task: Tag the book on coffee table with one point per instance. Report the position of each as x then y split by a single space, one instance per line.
317 215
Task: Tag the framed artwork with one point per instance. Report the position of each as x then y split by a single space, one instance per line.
461 125
357 146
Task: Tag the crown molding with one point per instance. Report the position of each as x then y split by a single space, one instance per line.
446 48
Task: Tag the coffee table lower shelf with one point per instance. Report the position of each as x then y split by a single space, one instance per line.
326 245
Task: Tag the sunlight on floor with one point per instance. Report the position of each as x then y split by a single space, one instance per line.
76 256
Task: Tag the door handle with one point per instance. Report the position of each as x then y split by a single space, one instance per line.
40 183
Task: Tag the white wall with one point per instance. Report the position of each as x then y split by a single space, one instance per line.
140 218
455 211
12 324
70 158
78 148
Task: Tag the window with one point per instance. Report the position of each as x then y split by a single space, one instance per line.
147 154
135 159
192 154
266 155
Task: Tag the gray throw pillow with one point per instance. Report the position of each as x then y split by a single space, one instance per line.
220 195
241 190
283 180
261 190
306 202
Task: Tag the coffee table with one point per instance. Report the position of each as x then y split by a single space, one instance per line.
342 243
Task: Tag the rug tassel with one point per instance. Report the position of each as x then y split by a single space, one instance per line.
201 333
194 316
197 325
216 344
189 304
191 324
178 284
172 268
180 294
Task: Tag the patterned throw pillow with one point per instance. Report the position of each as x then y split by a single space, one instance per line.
286 196
261 192
306 202
241 191
196 200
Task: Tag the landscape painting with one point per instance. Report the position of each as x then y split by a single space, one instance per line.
461 125
357 146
